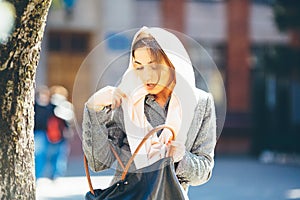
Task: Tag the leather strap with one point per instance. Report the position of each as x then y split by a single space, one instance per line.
87 173
117 156
126 168
154 130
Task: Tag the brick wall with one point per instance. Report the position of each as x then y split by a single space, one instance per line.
238 72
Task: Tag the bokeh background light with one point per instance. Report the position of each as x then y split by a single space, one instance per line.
7 16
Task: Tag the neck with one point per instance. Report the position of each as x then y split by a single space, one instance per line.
162 97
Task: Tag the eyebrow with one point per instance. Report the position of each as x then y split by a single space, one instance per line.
139 63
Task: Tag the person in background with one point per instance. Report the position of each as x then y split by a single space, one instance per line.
59 131
43 111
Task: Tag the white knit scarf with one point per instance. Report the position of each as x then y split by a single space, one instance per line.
181 106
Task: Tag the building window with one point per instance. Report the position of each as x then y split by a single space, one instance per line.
71 42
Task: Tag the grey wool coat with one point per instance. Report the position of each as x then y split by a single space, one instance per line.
102 128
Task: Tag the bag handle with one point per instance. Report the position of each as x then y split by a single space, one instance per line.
87 172
126 168
154 130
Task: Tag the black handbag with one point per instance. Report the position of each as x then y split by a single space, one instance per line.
154 182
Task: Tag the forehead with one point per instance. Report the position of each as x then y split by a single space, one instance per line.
143 55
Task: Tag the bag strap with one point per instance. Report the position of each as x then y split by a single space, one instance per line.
126 168
154 130
87 174
117 156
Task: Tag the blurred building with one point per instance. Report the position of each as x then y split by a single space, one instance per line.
233 33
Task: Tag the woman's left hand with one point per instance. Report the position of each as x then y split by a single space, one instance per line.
165 137
176 150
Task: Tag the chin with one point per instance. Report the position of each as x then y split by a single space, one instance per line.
151 92
154 90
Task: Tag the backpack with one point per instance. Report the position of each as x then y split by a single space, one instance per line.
55 127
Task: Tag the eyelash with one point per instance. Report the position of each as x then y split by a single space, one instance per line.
140 68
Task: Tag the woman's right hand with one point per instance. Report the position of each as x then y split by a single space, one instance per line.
106 96
117 96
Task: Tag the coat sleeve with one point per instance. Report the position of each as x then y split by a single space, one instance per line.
196 166
96 139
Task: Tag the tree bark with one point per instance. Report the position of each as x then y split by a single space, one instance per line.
18 61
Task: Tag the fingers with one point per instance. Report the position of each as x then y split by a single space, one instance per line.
102 97
166 136
117 98
177 144
155 149
177 150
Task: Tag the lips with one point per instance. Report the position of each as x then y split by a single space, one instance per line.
150 86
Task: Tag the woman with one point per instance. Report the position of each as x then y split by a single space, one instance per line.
157 88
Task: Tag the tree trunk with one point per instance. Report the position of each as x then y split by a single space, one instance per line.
18 61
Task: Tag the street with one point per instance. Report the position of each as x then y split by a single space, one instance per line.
233 178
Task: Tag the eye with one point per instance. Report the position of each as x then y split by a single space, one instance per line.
154 67
140 67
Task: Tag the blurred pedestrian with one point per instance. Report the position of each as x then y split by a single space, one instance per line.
43 111
59 131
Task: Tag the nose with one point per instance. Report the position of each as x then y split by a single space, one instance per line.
148 74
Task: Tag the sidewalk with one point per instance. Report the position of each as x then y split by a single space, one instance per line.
234 178
67 187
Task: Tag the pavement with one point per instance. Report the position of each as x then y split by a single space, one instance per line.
234 178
